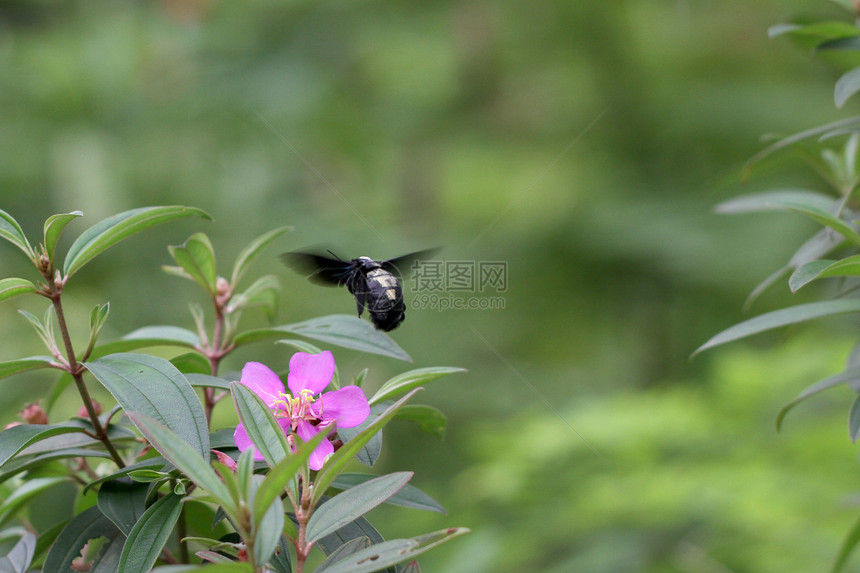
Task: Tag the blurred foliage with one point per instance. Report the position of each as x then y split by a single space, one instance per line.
583 143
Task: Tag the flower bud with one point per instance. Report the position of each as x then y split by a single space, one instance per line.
97 408
34 414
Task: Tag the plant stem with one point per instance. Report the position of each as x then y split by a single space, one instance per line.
76 370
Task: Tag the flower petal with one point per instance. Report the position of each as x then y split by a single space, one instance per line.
306 432
264 383
243 442
347 406
310 372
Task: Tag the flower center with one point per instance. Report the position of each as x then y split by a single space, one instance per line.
296 409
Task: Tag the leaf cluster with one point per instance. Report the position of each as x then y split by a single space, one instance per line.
159 461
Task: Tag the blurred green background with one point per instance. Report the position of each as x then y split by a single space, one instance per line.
582 143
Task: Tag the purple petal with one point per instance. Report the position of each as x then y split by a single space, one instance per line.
306 432
262 381
243 442
347 406
310 372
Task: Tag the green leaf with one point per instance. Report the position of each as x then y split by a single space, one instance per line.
191 363
339 329
392 552
262 292
108 232
21 555
775 201
268 534
353 503
262 428
88 525
149 336
846 86
849 123
407 496
251 252
782 317
807 273
847 267
12 232
24 493
156 463
406 381
848 544
197 258
123 501
54 226
24 463
16 438
280 475
429 420
23 365
334 465
149 534
187 459
98 316
854 420
154 387
207 381
234 567
13 286
352 546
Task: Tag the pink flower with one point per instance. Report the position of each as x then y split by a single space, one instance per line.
304 411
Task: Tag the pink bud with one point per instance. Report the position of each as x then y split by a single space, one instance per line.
34 414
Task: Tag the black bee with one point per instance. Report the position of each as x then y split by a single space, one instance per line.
375 285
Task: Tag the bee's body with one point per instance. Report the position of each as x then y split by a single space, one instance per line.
375 285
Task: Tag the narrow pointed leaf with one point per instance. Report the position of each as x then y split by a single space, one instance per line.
114 229
429 420
149 534
352 546
392 552
407 496
846 86
849 123
280 475
24 493
251 252
268 437
268 534
14 286
23 365
24 463
847 267
154 464
154 387
406 381
12 232
339 329
197 258
149 336
207 381
854 420
232 567
54 226
776 201
182 456
16 438
782 317
848 544
353 503
335 464
19 558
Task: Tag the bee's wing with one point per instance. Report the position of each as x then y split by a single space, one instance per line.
320 270
401 266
